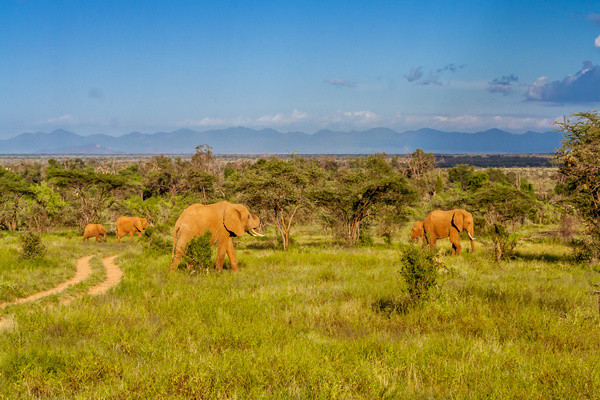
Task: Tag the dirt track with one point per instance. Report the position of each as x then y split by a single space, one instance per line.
113 277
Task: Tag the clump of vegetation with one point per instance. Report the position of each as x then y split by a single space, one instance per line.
504 243
31 245
198 253
579 162
420 270
156 240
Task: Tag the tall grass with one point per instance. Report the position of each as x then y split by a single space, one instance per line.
301 324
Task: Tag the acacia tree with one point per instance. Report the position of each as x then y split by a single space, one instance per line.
278 188
419 163
87 191
350 195
579 164
12 190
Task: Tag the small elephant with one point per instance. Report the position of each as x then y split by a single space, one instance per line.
94 230
442 224
223 220
418 232
130 225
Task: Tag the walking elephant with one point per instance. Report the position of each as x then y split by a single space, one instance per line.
442 224
130 225
223 220
417 232
94 230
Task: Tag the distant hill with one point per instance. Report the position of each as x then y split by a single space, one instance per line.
249 141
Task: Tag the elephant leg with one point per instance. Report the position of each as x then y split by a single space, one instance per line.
131 236
454 239
221 251
432 241
232 256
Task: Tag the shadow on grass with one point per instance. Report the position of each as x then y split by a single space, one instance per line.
389 305
545 257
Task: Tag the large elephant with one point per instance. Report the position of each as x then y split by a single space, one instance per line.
442 224
223 220
130 225
94 230
417 232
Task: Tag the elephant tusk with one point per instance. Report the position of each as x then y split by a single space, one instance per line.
470 237
252 232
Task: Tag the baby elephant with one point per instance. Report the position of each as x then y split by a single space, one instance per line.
94 230
130 226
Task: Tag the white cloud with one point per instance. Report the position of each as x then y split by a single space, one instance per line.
65 120
581 87
473 123
297 120
203 122
597 42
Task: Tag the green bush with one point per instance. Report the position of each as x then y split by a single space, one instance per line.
198 253
365 239
504 243
420 270
158 241
31 245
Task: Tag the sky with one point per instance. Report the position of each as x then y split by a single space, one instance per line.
114 67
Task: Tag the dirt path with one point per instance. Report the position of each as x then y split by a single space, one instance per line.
113 276
83 271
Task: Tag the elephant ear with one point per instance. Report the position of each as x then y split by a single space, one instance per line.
137 223
232 219
458 220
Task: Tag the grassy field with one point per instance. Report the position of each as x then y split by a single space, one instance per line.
316 321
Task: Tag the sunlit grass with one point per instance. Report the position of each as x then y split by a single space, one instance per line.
305 324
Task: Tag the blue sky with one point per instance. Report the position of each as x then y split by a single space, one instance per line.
119 66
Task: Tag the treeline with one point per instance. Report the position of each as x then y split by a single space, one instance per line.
351 199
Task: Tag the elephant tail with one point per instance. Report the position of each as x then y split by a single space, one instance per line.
175 240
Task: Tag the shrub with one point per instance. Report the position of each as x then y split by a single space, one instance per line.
586 251
31 245
504 243
387 237
198 253
365 239
420 270
157 241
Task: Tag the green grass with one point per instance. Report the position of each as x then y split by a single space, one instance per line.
306 324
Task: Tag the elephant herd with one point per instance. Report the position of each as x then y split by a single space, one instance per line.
123 226
226 220
442 224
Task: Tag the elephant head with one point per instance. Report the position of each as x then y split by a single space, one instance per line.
462 219
238 220
417 231
144 223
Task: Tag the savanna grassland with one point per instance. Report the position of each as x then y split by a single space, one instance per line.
320 307
315 321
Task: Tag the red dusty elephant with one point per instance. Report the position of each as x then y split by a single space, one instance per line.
130 225
442 224
223 220
94 230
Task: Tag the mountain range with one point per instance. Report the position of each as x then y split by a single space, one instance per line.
242 140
